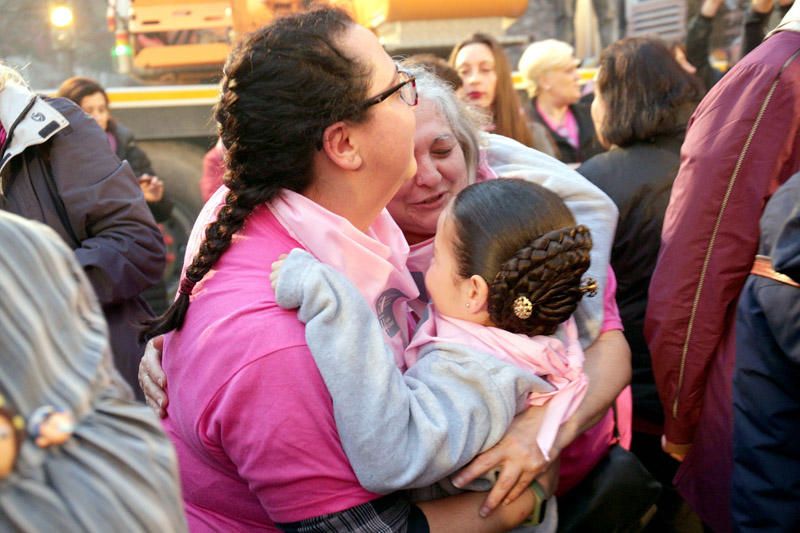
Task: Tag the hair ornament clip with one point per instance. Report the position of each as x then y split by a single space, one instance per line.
50 426
523 308
589 286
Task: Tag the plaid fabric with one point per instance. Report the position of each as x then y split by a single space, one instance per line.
389 514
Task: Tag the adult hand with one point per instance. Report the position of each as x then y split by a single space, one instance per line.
152 188
676 451
152 379
517 456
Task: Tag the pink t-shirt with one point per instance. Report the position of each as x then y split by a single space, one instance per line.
249 414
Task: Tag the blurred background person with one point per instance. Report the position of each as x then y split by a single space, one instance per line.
550 70
487 84
213 170
92 98
58 168
756 21
695 55
643 101
610 19
94 460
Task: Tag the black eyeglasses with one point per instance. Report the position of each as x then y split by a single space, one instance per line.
407 88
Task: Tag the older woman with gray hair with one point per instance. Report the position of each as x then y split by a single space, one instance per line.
550 69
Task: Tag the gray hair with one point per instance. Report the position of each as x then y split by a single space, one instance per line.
463 120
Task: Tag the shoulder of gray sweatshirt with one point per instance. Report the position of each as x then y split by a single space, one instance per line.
399 430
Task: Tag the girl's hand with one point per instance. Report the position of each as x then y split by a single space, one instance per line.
276 271
517 456
152 379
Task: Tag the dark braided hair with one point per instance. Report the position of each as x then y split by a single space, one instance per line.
283 85
522 239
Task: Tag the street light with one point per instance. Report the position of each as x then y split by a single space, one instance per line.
61 16
62 33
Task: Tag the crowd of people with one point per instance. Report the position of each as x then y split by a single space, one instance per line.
414 300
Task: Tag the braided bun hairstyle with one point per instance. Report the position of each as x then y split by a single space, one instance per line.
283 85
522 239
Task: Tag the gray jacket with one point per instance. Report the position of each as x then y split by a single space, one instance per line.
399 431
111 230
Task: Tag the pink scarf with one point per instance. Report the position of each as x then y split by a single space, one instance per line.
561 365
568 128
374 261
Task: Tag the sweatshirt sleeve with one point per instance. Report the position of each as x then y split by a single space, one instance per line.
589 205
398 430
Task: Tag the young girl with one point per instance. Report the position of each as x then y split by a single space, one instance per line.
501 281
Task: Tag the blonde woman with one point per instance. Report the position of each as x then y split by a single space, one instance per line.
550 69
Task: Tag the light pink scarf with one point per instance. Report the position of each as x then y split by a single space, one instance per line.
560 363
374 261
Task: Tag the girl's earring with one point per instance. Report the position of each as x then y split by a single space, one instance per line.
467 305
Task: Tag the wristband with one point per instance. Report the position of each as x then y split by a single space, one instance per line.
539 508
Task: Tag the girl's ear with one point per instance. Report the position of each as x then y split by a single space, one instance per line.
477 294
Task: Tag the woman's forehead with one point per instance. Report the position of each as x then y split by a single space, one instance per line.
430 117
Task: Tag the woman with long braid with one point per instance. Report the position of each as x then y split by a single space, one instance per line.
308 106
505 277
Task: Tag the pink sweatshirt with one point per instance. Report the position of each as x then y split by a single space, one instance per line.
249 414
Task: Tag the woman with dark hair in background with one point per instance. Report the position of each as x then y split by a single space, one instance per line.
92 98
643 101
487 85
